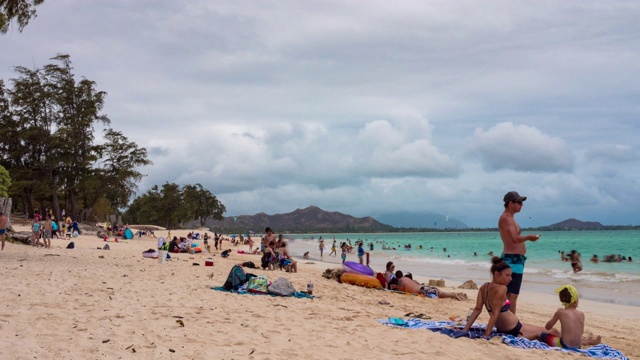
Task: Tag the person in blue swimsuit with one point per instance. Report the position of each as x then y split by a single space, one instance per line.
3 227
514 243
360 252
493 296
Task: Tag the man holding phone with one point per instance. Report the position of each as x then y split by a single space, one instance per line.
514 249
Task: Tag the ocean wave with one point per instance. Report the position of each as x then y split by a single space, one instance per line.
440 261
585 275
618 277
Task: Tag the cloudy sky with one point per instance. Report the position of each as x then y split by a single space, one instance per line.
368 107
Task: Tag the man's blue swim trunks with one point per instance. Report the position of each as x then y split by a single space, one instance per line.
516 262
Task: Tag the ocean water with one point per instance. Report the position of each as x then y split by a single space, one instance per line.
616 282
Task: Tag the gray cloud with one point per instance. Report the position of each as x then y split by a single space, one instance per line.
411 106
521 148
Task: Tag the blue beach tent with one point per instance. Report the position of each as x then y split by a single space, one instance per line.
128 234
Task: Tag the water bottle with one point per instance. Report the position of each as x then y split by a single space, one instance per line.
310 288
469 314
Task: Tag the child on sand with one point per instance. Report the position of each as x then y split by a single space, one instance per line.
571 322
333 248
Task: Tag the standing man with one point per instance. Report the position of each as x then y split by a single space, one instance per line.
46 233
514 249
3 227
269 237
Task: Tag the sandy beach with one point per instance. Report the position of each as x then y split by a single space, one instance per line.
87 303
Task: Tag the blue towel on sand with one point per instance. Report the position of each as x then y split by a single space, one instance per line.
298 294
447 327
453 330
600 351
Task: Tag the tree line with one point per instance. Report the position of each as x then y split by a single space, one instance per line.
172 206
47 144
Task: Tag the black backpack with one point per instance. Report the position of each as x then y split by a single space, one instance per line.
249 264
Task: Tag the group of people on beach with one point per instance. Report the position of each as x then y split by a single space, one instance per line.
275 254
147 231
397 280
49 228
500 296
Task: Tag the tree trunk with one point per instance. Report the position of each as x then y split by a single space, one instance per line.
55 204
73 211
28 209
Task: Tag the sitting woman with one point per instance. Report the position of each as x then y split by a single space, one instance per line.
493 296
184 245
288 263
173 245
389 276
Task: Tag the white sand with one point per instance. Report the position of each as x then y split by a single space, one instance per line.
80 306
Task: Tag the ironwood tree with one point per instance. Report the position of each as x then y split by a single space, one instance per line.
20 10
47 142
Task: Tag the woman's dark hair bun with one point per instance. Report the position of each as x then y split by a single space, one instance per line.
496 260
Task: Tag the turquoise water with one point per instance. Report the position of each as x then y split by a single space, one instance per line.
543 259
542 255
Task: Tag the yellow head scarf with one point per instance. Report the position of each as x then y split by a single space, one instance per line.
574 294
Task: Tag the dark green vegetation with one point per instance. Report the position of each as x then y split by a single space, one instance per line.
20 10
47 143
172 206
5 182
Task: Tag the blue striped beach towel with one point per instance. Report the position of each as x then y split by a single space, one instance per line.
453 330
600 351
447 327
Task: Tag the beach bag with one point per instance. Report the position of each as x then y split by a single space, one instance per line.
264 261
71 245
281 287
258 284
382 280
236 278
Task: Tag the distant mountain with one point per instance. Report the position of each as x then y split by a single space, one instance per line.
311 219
574 224
421 221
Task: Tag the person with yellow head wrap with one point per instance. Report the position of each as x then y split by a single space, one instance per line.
571 322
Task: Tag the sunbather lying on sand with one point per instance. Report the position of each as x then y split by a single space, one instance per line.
411 286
